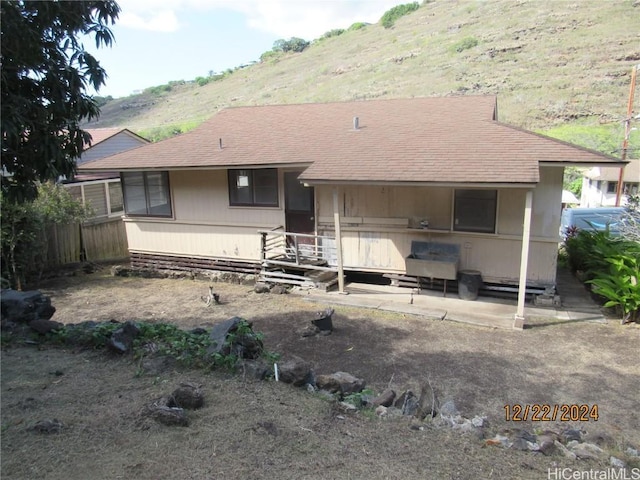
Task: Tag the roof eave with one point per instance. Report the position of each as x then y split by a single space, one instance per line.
314 182
88 169
611 164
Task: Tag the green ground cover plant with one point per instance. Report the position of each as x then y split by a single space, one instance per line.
610 265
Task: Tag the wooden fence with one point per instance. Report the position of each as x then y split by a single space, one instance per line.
96 241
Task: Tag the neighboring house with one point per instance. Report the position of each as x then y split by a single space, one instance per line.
600 185
376 179
103 190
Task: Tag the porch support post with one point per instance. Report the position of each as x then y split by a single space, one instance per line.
336 222
518 321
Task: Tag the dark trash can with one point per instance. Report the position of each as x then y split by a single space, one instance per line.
469 284
324 320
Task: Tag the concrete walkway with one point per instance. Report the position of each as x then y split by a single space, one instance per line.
490 312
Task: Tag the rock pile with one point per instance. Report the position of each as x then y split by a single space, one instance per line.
170 410
30 308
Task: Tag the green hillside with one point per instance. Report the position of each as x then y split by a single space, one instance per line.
551 63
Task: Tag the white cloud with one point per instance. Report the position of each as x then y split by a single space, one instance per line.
311 18
284 18
159 21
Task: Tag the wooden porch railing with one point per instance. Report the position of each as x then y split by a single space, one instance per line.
304 251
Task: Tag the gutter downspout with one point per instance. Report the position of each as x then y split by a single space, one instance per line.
518 321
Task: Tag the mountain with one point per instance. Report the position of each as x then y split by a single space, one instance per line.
550 62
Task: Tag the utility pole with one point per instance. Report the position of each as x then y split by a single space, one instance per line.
627 131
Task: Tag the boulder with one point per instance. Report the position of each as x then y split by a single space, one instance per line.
170 416
564 450
408 403
243 346
547 443
26 306
385 399
617 463
340 382
43 326
427 403
570 434
296 371
121 341
261 287
256 369
586 450
188 395
449 409
381 411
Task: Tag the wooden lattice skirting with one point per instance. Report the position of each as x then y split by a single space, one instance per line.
171 262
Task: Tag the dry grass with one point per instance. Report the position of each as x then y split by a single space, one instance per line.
269 430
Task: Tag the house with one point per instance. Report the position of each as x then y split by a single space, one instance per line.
103 190
364 184
600 185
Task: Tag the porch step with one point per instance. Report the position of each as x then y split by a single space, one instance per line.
323 281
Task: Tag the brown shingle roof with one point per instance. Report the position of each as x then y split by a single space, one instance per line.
436 139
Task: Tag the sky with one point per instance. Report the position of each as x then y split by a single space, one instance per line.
157 41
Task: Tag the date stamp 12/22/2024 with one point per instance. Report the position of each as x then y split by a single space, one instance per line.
540 412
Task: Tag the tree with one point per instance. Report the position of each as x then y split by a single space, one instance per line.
45 74
294 44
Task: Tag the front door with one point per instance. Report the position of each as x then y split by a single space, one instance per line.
299 209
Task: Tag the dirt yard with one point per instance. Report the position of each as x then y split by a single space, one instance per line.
266 430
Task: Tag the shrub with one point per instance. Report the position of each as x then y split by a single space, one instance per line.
620 285
23 233
158 90
294 44
390 16
202 81
465 44
332 33
269 55
357 26
610 265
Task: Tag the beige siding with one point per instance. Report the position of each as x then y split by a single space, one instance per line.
202 196
204 224
376 221
547 203
241 243
375 239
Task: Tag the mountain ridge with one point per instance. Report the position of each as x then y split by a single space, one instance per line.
548 63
